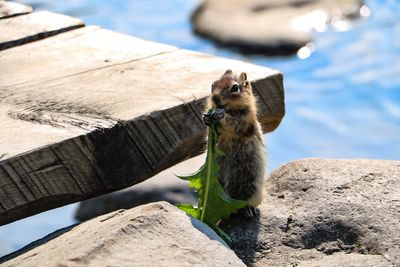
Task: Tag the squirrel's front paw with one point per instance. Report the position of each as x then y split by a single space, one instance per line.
213 116
218 114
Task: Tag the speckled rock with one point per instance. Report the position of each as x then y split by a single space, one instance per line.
316 212
155 234
321 212
269 26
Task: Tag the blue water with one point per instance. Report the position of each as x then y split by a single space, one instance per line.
343 101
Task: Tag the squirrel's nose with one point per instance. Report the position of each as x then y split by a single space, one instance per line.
216 100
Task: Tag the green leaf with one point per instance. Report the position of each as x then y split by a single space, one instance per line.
222 234
189 209
213 203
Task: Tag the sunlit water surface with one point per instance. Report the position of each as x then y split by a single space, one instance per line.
342 101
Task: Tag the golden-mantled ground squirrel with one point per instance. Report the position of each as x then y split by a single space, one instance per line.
243 165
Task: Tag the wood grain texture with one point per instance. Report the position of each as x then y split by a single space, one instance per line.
20 30
77 125
71 53
11 9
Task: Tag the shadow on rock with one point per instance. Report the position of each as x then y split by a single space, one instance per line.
244 233
133 197
320 212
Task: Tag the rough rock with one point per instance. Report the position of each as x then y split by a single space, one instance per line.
164 186
156 234
269 26
320 212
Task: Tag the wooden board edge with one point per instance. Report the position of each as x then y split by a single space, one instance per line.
114 158
22 9
36 37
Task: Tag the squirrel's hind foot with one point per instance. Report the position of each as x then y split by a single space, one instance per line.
248 212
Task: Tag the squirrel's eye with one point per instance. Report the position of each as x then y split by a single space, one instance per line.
235 88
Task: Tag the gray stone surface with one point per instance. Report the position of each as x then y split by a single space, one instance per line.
156 234
320 212
269 26
316 212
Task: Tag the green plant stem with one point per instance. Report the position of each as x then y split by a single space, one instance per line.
208 177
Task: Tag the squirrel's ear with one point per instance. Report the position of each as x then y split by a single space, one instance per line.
228 72
243 76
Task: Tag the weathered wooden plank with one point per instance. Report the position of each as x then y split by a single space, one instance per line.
105 127
98 98
11 9
79 52
20 30
71 53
